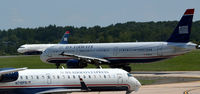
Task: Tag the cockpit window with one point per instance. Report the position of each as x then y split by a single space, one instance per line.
129 75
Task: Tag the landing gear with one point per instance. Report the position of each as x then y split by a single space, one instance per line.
127 68
57 65
127 92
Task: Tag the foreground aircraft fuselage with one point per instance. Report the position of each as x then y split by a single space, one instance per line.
121 54
47 81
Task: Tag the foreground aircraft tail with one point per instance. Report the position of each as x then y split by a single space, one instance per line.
64 39
83 85
182 31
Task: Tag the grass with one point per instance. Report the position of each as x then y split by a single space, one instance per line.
24 61
147 82
187 62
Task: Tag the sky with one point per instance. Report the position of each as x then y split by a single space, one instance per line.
89 13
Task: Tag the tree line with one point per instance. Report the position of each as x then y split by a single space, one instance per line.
11 39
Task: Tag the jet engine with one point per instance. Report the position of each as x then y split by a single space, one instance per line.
73 63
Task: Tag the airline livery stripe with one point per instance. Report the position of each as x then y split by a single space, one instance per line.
153 57
65 85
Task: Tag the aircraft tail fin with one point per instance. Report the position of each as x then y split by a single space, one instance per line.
64 39
83 85
182 31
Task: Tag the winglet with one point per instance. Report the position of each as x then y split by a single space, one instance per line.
12 70
83 85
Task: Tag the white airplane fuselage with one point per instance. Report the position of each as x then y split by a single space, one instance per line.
33 81
33 48
133 52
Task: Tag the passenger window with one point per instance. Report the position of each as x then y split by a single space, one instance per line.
37 77
54 77
68 77
21 77
48 77
31 76
58 77
74 77
26 77
79 76
89 76
104 76
84 76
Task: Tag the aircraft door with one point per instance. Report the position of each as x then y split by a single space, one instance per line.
160 50
119 78
49 80
77 52
115 51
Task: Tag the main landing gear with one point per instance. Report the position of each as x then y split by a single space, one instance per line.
124 67
127 68
57 65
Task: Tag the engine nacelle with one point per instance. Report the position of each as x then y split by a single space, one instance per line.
73 63
8 77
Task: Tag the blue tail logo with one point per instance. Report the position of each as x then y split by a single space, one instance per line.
64 39
182 31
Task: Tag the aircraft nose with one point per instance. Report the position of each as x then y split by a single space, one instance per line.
19 50
135 84
42 57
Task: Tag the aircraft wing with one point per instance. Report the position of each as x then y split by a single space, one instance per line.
86 58
11 70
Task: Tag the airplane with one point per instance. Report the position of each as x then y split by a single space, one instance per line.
34 49
120 55
48 81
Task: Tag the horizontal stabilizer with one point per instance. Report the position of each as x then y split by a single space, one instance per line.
12 70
